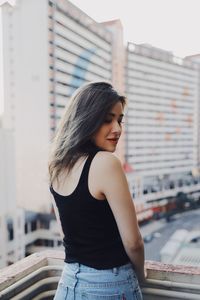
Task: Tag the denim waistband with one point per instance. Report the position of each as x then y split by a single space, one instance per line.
81 267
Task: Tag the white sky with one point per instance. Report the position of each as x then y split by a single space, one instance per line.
172 25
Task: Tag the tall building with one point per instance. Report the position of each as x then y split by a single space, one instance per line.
162 119
26 92
80 51
11 216
50 49
21 232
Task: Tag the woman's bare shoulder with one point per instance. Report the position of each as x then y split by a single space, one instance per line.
106 170
105 160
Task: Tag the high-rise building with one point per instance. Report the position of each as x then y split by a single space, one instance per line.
50 49
162 121
26 92
80 51
11 216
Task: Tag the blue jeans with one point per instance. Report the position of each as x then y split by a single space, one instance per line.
79 282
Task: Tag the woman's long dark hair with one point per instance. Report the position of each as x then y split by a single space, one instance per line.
82 118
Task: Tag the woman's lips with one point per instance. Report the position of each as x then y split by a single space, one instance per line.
113 141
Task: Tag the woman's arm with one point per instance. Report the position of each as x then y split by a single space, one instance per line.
113 184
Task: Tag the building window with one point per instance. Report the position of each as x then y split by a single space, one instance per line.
10 230
33 225
26 228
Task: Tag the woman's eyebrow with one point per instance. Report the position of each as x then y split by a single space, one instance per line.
113 115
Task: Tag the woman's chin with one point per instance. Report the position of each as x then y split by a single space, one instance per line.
110 149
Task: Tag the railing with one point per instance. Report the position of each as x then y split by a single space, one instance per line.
36 276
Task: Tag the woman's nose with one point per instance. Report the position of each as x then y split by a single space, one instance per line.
116 127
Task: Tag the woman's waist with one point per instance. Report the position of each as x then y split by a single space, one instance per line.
85 276
85 268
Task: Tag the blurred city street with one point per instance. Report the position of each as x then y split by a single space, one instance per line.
158 233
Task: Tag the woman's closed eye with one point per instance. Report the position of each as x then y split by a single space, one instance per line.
108 121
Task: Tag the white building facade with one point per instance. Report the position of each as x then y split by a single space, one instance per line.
26 92
162 119
50 49
80 51
11 217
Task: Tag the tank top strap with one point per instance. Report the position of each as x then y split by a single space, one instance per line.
86 168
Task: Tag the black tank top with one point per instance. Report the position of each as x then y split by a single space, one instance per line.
91 236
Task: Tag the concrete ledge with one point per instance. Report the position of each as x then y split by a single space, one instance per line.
174 273
13 273
164 281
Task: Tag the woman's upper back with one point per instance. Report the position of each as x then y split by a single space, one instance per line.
90 231
68 183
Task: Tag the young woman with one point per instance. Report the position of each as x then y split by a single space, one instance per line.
104 251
